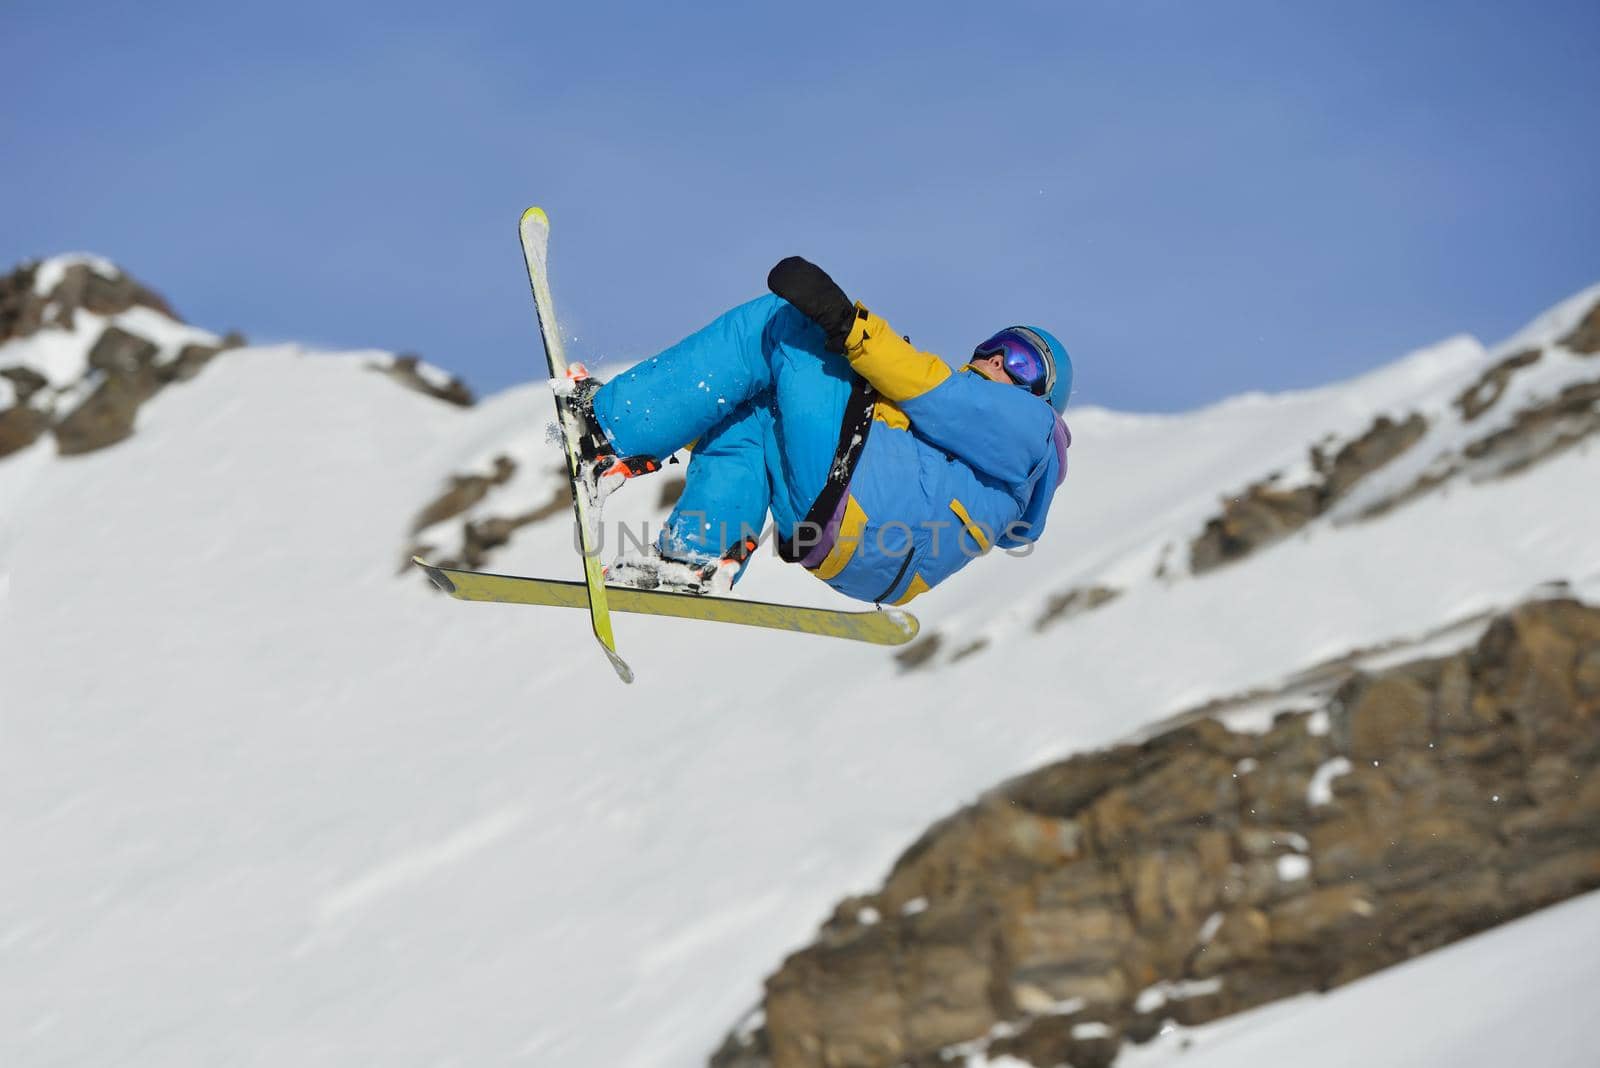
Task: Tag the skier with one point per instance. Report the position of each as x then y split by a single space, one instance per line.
884 471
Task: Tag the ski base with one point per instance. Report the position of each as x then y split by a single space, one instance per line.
533 230
891 626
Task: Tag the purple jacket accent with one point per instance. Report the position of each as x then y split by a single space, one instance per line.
1063 438
830 533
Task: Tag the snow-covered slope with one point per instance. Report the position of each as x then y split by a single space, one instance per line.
1512 995
262 800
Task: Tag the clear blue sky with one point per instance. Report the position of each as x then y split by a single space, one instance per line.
1199 198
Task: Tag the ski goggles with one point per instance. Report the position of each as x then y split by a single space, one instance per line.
1025 357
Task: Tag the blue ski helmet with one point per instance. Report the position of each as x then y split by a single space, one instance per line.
1034 360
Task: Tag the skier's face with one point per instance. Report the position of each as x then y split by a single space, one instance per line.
991 367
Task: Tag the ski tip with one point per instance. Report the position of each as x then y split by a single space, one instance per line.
435 576
624 672
535 213
906 622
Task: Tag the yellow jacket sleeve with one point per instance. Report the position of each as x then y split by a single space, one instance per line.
895 367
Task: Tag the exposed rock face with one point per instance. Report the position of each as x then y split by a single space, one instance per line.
23 311
1585 337
107 416
1263 513
21 426
1544 426
671 490
463 492
123 369
1540 431
407 369
920 652
192 359
925 651
1208 871
484 535
126 374
1482 394
119 352
1074 602
480 535
25 382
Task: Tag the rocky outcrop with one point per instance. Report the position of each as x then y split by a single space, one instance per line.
24 311
107 415
479 535
926 650
920 653
671 490
1265 512
462 493
1073 602
21 426
1538 431
1206 871
25 382
21 310
122 371
482 536
409 370
1270 510
1482 394
1585 337
125 375
192 359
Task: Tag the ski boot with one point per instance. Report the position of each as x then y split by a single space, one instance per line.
671 574
600 469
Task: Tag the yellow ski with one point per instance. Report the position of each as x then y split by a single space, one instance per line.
534 231
891 626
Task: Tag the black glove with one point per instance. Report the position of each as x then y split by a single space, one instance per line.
818 297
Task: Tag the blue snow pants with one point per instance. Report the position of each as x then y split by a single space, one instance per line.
762 402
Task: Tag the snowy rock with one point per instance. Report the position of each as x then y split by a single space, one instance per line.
1062 606
83 346
21 426
1059 1039
1083 881
1482 394
1585 337
119 352
1386 716
1321 916
51 294
463 492
193 357
921 652
1265 513
24 383
410 371
1538 431
107 416
1243 935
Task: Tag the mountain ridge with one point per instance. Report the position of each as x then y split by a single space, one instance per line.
229 722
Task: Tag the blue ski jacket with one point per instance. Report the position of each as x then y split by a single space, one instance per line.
885 470
953 466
